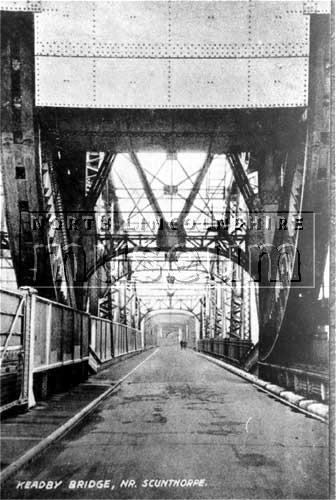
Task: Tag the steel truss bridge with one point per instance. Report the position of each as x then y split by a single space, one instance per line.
121 202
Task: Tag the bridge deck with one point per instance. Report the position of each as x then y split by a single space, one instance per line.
180 417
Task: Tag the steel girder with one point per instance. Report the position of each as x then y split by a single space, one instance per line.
99 181
195 190
147 187
241 179
124 244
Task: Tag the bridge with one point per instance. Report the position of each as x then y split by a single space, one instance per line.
166 233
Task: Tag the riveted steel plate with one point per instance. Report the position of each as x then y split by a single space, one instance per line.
317 7
158 54
278 82
21 5
278 24
155 29
205 83
213 23
134 23
69 23
123 83
64 81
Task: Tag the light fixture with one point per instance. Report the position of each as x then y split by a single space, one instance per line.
170 279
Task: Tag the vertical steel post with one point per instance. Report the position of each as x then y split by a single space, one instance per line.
212 308
28 343
48 334
223 309
143 334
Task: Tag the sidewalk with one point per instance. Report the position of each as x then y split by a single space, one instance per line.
30 432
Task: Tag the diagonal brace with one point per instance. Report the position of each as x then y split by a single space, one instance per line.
147 187
241 179
100 180
196 187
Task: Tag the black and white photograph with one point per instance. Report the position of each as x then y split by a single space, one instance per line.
167 258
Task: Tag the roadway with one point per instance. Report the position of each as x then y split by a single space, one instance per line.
202 430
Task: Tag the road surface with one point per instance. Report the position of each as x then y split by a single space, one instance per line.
182 427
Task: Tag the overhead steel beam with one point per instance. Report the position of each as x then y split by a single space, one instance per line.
241 179
147 187
193 193
228 129
100 180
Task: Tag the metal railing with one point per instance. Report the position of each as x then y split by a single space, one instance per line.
110 339
61 335
38 335
232 350
306 380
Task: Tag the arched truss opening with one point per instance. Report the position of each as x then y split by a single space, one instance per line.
203 294
218 248
175 227
150 314
173 202
168 318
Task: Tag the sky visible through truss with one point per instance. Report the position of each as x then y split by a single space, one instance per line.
161 283
171 178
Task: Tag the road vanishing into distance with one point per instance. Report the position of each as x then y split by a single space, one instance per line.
182 427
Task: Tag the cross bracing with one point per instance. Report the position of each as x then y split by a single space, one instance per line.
175 188
176 225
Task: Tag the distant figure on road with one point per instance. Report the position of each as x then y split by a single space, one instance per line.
181 344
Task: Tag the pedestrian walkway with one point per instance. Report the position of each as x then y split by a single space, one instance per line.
21 432
182 427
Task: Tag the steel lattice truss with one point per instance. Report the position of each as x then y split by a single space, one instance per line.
154 186
185 196
152 191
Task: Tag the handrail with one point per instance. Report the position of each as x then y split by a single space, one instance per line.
48 301
115 323
11 292
298 371
66 306
97 328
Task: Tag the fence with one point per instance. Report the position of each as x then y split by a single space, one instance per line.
110 339
150 339
232 350
39 335
61 335
310 381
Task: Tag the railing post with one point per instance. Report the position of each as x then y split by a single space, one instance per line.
111 340
126 328
48 334
93 334
143 335
323 392
28 345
